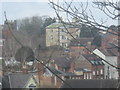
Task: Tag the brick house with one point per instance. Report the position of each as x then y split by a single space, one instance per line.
46 78
85 67
77 47
110 49
62 63
93 67
83 72
66 65
108 38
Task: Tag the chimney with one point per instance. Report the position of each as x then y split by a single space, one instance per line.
72 67
40 69
25 69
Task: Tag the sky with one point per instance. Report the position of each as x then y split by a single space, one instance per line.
19 9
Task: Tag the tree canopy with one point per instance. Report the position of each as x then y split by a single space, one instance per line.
24 54
35 24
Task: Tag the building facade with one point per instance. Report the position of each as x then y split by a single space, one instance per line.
58 34
110 71
91 66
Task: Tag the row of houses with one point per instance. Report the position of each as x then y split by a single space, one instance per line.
78 62
49 80
86 57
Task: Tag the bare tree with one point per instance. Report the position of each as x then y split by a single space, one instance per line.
84 15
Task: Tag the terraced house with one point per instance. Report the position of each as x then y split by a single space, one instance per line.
59 34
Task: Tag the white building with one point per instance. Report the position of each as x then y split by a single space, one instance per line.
110 71
58 34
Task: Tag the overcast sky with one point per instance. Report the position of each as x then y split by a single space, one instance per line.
19 10
28 8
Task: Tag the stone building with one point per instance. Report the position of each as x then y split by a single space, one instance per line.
59 34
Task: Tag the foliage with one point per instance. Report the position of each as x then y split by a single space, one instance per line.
97 41
24 54
87 31
36 24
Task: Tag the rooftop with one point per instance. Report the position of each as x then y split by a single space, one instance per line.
17 80
55 25
91 83
63 61
93 59
83 69
60 25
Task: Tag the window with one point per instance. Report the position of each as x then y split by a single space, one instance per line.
62 37
97 72
101 71
63 77
32 86
52 30
66 44
96 62
89 43
93 72
84 76
90 76
87 76
51 36
100 62
92 62
66 37
62 44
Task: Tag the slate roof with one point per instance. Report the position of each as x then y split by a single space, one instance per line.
83 69
91 83
5 82
93 59
55 70
54 25
16 80
63 61
60 25
58 72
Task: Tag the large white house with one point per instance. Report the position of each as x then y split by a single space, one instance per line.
58 34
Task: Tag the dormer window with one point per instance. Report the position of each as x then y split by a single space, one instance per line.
32 86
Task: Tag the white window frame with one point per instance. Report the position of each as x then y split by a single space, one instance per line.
90 76
97 72
84 76
93 72
101 71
